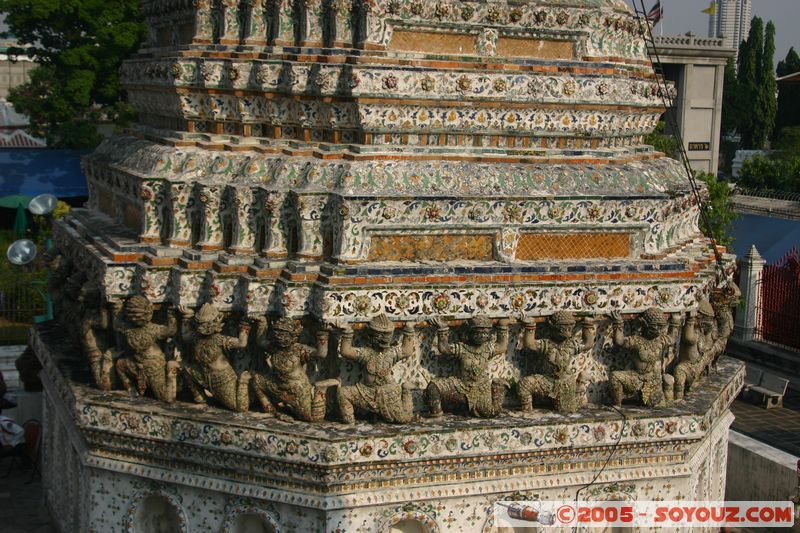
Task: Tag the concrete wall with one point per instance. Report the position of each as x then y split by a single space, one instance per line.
697 68
759 472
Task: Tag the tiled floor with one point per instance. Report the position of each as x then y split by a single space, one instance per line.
22 507
778 427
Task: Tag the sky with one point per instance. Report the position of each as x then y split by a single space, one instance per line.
681 16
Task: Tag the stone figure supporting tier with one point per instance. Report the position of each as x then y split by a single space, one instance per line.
95 334
558 381
144 360
285 384
704 338
724 300
472 386
378 392
647 379
207 369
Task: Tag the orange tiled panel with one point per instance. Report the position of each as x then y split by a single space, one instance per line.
431 247
538 48
533 246
432 42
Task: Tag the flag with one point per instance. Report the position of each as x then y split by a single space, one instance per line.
656 13
712 9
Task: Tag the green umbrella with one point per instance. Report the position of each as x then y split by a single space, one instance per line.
13 200
20 221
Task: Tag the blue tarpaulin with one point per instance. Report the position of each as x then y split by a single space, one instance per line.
32 172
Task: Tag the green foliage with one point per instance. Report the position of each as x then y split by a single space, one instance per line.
719 213
661 141
731 99
756 83
788 94
766 101
780 172
79 46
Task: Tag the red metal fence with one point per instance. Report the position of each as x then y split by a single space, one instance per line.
779 313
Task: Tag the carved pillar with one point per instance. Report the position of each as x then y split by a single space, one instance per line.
244 221
284 20
229 30
309 225
750 284
275 224
203 27
312 15
210 218
255 32
152 196
181 231
343 13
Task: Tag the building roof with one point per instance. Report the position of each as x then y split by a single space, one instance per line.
790 78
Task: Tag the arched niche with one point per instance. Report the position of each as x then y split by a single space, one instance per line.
250 523
408 525
409 522
157 514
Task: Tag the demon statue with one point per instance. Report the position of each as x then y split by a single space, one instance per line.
285 384
472 387
144 360
95 334
378 392
208 371
647 351
558 380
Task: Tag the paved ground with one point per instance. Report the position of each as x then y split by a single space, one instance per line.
22 505
778 427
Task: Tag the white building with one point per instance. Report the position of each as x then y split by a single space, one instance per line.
731 22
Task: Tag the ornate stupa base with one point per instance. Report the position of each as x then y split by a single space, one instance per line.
113 463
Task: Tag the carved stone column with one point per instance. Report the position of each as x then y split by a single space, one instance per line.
180 195
750 284
230 27
313 20
255 32
309 220
274 224
283 18
152 196
210 218
343 15
203 28
244 221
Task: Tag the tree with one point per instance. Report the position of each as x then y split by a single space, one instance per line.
788 94
79 46
731 105
766 102
719 214
751 60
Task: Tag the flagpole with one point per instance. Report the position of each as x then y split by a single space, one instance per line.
662 17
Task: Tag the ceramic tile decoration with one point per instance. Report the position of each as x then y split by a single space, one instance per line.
307 178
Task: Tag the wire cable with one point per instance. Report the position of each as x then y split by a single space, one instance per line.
605 464
646 30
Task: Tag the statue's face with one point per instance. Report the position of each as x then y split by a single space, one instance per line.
480 335
209 328
651 331
284 339
141 320
561 332
705 324
380 340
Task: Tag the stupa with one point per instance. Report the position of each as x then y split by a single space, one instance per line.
471 170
